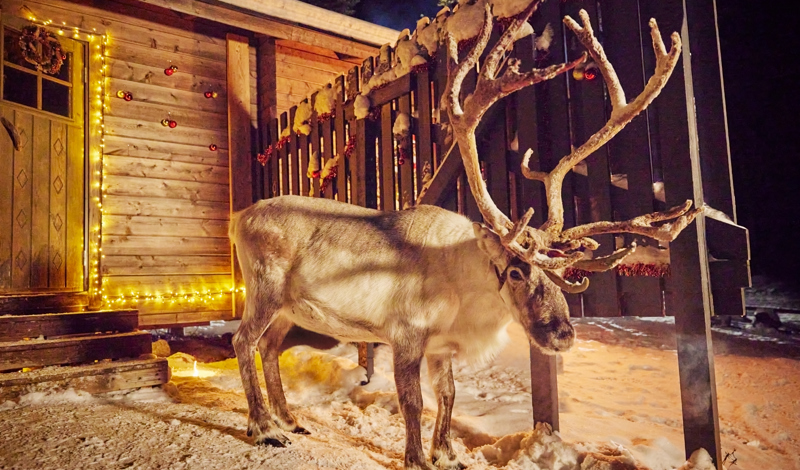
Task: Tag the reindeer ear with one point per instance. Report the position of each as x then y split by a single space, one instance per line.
489 243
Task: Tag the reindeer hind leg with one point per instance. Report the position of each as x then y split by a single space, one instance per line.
269 347
264 293
440 372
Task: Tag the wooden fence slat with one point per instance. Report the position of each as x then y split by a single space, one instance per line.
120 265
327 153
160 207
387 160
294 155
150 245
406 176
423 127
284 157
315 152
341 141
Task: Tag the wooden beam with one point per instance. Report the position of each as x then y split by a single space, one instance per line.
260 24
93 378
266 89
687 290
17 327
239 143
34 353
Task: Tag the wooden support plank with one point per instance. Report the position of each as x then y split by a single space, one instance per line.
18 327
155 131
422 129
186 116
293 153
327 154
218 307
159 207
92 378
342 137
164 169
303 159
170 151
239 144
40 203
165 188
36 353
43 303
150 245
387 160
164 226
315 148
58 206
687 289
121 265
495 164
128 71
406 184
152 285
78 212
284 156
629 153
272 185
21 233
6 209
259 23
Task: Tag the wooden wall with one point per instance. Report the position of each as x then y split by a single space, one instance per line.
166 203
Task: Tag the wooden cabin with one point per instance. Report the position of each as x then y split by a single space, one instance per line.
115 172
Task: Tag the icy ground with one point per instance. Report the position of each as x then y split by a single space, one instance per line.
619 400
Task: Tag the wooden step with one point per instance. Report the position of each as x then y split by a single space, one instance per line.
36 353
31 303
92 378
17 327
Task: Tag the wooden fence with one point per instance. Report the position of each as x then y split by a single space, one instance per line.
623 179
675 151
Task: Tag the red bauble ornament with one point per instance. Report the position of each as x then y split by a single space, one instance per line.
128 96
590 74
213 147
173 124
170 70
208 94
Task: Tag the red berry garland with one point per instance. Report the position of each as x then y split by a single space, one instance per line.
41 48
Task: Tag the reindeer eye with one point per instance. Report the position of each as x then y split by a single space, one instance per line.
515 275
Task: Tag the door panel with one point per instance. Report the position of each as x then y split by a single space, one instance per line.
42 210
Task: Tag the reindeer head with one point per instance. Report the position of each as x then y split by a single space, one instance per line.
533 260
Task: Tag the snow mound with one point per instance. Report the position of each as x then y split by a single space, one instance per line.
467 21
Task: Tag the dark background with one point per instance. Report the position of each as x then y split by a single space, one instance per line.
759 43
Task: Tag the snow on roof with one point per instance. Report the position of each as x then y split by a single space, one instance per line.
319 18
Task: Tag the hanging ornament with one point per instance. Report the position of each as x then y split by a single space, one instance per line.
210 94
173 124
586 71
165 122
41 48
590 73
169 122
213 147
125 95
170 70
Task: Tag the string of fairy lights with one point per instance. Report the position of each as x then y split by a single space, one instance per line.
99 88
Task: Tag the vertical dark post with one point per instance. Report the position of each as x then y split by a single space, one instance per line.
386 159
423 130
284 155
341 141
544 382
293 147
691 139
327 154
303 159
267 107
406 183
272 184
315 151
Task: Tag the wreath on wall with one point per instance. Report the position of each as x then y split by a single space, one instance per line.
41 48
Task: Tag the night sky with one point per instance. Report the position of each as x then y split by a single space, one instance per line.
759 43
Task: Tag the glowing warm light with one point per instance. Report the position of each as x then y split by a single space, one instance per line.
196 373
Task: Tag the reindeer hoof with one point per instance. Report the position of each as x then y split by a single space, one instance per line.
300 430
272 442
447 463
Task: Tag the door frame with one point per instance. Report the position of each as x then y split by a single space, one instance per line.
89 116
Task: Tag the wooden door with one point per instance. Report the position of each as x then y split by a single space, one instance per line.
42 170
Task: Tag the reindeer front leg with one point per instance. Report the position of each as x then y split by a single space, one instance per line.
269 347
261 304
406 377
440 372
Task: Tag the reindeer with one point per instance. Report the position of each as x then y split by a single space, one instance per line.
424 280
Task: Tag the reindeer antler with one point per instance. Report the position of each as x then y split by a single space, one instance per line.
552 248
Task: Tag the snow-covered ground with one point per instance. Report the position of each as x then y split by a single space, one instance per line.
619 399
